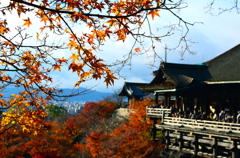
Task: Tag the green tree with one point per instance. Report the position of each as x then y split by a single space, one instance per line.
55 111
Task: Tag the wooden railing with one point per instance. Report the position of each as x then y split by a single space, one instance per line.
191 123
157 111
203 124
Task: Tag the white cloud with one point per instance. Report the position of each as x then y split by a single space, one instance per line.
216 35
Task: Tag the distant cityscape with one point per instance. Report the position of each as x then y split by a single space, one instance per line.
72 107
72 104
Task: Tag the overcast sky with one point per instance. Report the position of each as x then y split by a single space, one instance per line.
214 34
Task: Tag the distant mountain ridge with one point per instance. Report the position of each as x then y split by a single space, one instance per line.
89 96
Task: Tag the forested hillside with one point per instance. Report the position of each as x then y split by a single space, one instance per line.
94 132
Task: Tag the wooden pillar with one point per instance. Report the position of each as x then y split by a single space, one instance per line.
167 139
177 102
207 107
195 102
154 130
169 100
215 147
180 141
235 153
182 104
196 145
156 98
166 100
191 103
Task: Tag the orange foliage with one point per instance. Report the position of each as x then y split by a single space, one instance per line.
28 64
86 135
101 110
130 139
56 142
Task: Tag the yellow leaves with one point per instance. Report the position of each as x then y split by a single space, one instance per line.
74 57
67 31
115 10
86 74
5 78
3 27
44 19
2 30
72 44
154 13
100 34
112 22
28 120
121 33
27 22
27 58
76 16
77 84
109 79
83 76
91 38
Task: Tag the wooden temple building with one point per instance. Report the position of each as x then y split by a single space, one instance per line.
210 86
132 92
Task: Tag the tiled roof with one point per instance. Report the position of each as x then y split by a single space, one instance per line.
226 66
131 89
181 74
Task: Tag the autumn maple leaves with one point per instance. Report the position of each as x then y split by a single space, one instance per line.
94 132
30 51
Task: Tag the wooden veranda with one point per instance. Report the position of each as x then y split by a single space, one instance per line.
201 138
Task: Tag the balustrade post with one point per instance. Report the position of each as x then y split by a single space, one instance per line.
180 141
167 139
154 130
163 113
196 145
235 152
215 147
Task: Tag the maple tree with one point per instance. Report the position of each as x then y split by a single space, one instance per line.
30 47
104 19
96 131
56 141
63 137
129 139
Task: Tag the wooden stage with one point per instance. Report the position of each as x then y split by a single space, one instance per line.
200 138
